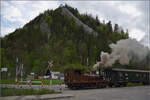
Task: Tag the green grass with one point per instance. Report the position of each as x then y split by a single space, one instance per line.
134 84
55 81
14 91
46 82
9 81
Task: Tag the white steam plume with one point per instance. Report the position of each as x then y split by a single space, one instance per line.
124 51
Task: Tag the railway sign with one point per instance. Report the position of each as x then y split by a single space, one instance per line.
4 69
48 72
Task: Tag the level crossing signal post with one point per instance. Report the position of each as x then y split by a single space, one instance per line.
49 71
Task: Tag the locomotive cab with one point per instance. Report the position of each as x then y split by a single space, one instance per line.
76 78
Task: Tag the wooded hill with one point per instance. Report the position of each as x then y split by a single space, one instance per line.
70 41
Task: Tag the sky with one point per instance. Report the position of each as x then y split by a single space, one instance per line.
131 15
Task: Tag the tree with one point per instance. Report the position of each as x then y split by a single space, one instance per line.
116 28
109 27
36 67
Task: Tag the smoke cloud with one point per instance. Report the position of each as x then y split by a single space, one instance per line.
124 51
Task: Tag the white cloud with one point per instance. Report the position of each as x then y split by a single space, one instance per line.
136 33
11 13
20 2
40 7
130 9
4 3
6 30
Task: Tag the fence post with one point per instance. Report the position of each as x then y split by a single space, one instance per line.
42 83
30 83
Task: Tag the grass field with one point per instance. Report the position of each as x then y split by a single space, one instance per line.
10 81
45 81
14 91
134 84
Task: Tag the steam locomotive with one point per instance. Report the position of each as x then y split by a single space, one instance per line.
77 79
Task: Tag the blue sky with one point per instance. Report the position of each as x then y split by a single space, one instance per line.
129 15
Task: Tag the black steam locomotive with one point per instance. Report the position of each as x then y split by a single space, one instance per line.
75 78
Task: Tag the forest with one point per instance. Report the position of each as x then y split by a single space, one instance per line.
53 35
